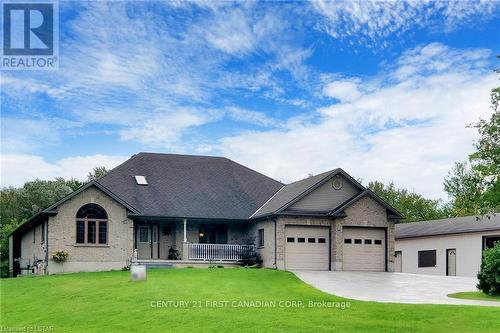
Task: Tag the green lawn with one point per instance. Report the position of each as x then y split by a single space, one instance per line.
475 295
108 302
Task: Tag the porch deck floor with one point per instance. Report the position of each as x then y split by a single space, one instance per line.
185 263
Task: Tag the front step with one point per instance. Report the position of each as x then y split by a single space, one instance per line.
154 264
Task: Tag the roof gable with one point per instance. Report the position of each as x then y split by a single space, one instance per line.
52 209
289 194
325 197
392 212
86 186
286 201
296 191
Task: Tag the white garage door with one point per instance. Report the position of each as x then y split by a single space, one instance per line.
307 248
363 249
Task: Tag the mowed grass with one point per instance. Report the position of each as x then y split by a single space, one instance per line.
109 302
475 295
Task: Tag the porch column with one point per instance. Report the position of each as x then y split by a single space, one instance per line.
185 233
184 254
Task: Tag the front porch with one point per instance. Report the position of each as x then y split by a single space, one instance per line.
184 243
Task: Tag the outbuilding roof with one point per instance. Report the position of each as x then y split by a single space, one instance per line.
454 225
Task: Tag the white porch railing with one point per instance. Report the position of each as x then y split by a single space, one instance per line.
218 252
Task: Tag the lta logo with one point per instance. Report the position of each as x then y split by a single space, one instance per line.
30 39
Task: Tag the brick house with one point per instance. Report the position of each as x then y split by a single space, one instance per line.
178 210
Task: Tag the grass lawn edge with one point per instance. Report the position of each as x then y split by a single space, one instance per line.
475 295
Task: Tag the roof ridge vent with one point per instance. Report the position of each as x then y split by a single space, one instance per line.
141 180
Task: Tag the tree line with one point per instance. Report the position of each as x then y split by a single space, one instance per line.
473 185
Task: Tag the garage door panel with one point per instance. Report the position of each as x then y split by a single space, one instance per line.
369 255
307 255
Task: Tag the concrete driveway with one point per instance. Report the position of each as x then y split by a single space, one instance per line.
393 287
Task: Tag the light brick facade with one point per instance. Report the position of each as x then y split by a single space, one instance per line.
62 236
366 212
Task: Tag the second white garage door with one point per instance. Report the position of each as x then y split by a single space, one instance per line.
363 249
307 248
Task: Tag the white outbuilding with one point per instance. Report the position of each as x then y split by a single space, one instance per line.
445 247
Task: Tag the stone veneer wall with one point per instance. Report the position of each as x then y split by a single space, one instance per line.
31 250
267 251
364 213
62 236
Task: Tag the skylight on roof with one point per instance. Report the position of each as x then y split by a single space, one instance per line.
141 180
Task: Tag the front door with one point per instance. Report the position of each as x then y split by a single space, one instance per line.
451 262
147 241
398 262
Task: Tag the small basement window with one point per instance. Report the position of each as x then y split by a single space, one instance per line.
427 258
141 180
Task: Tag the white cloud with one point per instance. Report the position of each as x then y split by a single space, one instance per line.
373 21
252 117
343 90
28 134
16 169
231 33
410 130
166 127
28 86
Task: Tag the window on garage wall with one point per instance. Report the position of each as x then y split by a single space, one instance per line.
427 258
489 241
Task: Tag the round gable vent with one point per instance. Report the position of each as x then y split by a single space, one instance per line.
337 183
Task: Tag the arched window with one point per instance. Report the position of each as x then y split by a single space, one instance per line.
91 225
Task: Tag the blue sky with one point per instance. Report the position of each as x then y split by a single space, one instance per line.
384 90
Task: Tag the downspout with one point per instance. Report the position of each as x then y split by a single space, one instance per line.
46 246
275 243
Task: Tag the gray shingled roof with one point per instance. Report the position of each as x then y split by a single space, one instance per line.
290 192
448 226
190 186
